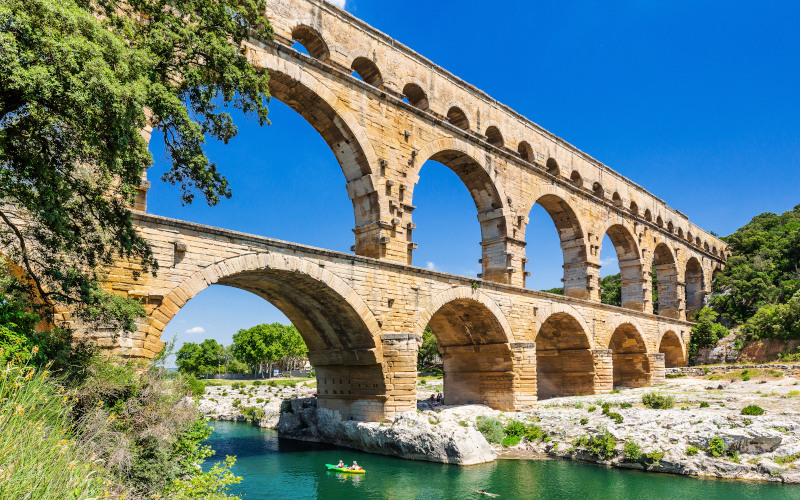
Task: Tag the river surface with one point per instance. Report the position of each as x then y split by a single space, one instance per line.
275 468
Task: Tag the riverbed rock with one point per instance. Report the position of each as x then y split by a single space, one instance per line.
753 440
408 435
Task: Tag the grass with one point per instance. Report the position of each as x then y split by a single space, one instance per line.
272 382
658 401
39 456
787 459
428 378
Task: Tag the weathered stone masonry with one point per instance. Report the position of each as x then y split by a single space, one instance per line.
384 111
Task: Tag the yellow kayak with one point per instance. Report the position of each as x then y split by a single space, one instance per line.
345 469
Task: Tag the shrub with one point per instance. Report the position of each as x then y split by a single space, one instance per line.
787 459
632 451
626 405
584 421
510 441
752 410
704 404
579 405
591 408
654 457
706 331
534 432
257 383
195 386
236 402
716 446
692 450
237 385
603 445
515 428
491 428
658 401
733 455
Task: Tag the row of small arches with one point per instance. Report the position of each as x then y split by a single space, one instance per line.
368 71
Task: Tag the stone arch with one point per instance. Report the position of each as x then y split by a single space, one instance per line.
634 208
706 247
552 167
416 96
698 242
648 216
338 327
630 266
494 137
576 179
458 118
474 338
487 195
695 286
564 360
631 365
670 227
368 71
669 303
671 346
313 42
573 245
598 190
616 199
525 151
659 221
680 232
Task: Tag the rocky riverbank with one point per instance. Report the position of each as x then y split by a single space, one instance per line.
706 420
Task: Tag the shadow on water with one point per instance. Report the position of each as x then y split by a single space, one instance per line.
275 468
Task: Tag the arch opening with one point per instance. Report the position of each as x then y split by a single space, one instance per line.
634 208
630 267
672 349
648 216
476 357
695 292
312 41
576 179
525 151
616 199
666 273
494 137
552 167
564 361
571 237
368 71
458 118
629 357
598 190
416 96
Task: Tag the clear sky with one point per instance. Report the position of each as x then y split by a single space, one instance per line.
697 101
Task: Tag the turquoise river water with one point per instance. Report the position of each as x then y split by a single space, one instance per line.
277 469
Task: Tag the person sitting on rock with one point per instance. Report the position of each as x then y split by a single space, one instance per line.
433 400
355 466
439 399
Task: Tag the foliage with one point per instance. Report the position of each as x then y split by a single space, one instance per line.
704 404
610 414
556 291
658 401
79 81
775 321
265 344
584 421
787 459
534 433
211 485
706 331
611 290
491 428
763 268
603 445
515 428
200 359
752 410
195 386
692 450
510 440
428 353
716 446
654 457
39 455
632 451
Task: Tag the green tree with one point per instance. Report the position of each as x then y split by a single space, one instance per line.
775 321
79 81
429 350
200 359
611 290
706 331
264 345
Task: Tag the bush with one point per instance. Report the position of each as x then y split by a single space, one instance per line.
515 428
584 421
654 457
252 412
692 450
534 432
626 405
706 331
236 402
591 408
716 446
658 401
195 386
510 441
703 404
632 451
752 410
579 405
491 428
237 385
257 383
603 445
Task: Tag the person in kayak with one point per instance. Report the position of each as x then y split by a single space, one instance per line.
354 466
340 465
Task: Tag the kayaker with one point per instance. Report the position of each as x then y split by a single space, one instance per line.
340 465
355 466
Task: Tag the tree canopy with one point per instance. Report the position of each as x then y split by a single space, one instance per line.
266 344
79 82
200 359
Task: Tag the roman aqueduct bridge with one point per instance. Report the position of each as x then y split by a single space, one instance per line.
384 110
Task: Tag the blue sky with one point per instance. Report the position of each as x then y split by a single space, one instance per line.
696 101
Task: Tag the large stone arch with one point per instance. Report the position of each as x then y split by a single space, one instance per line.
487 194
669 297
572 240
695 286
338 327
672 347
564 359
629 355
301 90
474 339
630 265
